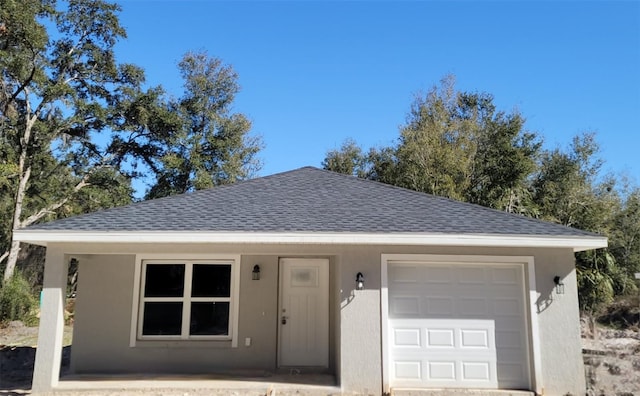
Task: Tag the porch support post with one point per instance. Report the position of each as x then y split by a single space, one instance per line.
46 371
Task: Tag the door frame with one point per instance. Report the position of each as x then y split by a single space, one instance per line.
326 292
535 361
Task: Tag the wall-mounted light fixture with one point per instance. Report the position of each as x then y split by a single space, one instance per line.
359 281
255 274
559 285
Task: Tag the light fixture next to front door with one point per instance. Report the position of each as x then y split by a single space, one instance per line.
359 281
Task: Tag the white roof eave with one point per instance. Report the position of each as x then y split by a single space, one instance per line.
577 243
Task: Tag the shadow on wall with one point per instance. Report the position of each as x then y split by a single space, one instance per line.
358 285
548 290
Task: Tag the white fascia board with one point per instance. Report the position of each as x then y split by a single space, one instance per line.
43 237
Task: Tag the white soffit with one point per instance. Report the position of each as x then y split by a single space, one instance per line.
41 237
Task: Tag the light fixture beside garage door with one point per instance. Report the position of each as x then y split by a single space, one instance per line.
559 285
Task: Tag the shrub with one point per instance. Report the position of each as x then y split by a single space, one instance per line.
622 314
16 300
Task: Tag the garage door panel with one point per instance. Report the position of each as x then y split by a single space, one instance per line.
439 306
437 275
510 355
471 275
406 274
442 371
458 325
440 338
474 338
506 339
505 276
474 371
404 337
476 307
510 374
511 323
404 306
408 370
507 307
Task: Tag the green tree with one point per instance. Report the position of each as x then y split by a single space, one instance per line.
567 188
210 145
58 92
349 160
624 238
570 190
504 160
76 126
436 149
454 144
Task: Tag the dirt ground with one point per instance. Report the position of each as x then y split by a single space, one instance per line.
612 362
17 356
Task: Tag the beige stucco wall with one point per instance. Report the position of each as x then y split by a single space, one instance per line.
103 323
559 320
105 293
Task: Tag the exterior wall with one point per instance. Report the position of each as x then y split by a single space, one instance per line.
559 320
103 324
361 356
103 313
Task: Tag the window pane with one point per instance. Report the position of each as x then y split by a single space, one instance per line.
211 280
164 280
209 318
162 318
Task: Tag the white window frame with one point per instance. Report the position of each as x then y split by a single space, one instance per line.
188 260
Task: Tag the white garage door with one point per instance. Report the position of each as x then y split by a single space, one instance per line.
457 325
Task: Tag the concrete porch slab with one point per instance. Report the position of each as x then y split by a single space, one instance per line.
198 385
459 392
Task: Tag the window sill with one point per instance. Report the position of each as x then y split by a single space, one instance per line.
183 344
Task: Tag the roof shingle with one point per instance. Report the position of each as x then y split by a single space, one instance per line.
309 200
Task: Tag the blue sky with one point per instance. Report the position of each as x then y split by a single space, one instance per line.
316 73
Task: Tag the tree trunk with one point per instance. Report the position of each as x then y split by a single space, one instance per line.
17 223
15 245
24 171
13 259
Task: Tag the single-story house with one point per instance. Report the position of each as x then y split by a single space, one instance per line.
382 287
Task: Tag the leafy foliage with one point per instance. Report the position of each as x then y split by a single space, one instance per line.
568 189
458 145
625 233
454 144
76 126
348 160
16 300
210 145
57 94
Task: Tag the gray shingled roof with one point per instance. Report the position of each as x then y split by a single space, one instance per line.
309 200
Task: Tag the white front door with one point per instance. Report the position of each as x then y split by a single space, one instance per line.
304 312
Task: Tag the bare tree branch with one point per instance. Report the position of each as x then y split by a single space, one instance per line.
56 205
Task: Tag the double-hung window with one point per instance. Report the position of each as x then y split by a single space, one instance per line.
187 299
